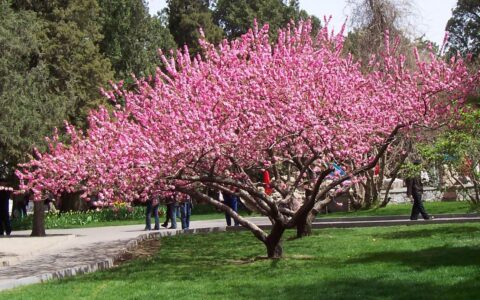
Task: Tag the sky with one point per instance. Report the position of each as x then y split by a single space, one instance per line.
429 16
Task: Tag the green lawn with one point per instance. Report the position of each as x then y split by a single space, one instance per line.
455 207
404 262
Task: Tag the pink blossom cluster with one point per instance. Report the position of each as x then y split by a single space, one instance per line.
243 103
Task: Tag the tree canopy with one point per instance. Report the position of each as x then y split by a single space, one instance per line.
247 105
55 57
131 37
186 17
30 108
464 28
236 17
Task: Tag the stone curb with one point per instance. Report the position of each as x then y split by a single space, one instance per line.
104 263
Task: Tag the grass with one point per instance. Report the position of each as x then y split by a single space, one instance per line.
454 207
404 262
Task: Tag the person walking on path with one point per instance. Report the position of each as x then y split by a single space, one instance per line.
5 193
231 200
171 214
414 193
167 212
152 207
185 212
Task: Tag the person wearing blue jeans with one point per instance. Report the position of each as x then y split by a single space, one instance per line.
173 215
231 200
186 212
152 207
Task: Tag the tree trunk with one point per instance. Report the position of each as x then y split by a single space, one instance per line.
273 241
393 175
476 190
304 228
385 202
369 186
38 228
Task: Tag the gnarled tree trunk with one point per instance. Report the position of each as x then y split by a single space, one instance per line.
304 228
273 241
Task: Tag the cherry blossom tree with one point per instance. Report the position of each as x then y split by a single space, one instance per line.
293 107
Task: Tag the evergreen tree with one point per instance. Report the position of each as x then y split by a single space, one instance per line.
236 17
131 37
77 68
30 108
464 28
186 17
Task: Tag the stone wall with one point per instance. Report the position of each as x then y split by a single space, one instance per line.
399 195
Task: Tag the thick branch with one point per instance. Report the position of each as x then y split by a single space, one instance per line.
259 233
316 195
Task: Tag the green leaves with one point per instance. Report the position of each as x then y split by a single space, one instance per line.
186 17
31 104
236 17
131 37
464 28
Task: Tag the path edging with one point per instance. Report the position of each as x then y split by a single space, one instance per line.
102 264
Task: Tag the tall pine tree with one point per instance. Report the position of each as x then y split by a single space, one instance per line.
236 17
30 105
131 37
464 28
77 68
186 17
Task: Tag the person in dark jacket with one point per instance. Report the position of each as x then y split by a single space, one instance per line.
414 192
5 193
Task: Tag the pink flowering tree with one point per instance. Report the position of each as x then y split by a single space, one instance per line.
214 122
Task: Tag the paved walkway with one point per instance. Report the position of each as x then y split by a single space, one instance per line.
67 252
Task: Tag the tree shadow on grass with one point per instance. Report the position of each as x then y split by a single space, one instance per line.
428 232
425 259
380 288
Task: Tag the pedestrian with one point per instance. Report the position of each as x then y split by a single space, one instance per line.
167 212
231 200
414 193
24 203
171 214
20 203
185 212
5 193
152 207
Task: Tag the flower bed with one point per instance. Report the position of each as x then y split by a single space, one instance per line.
77 218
